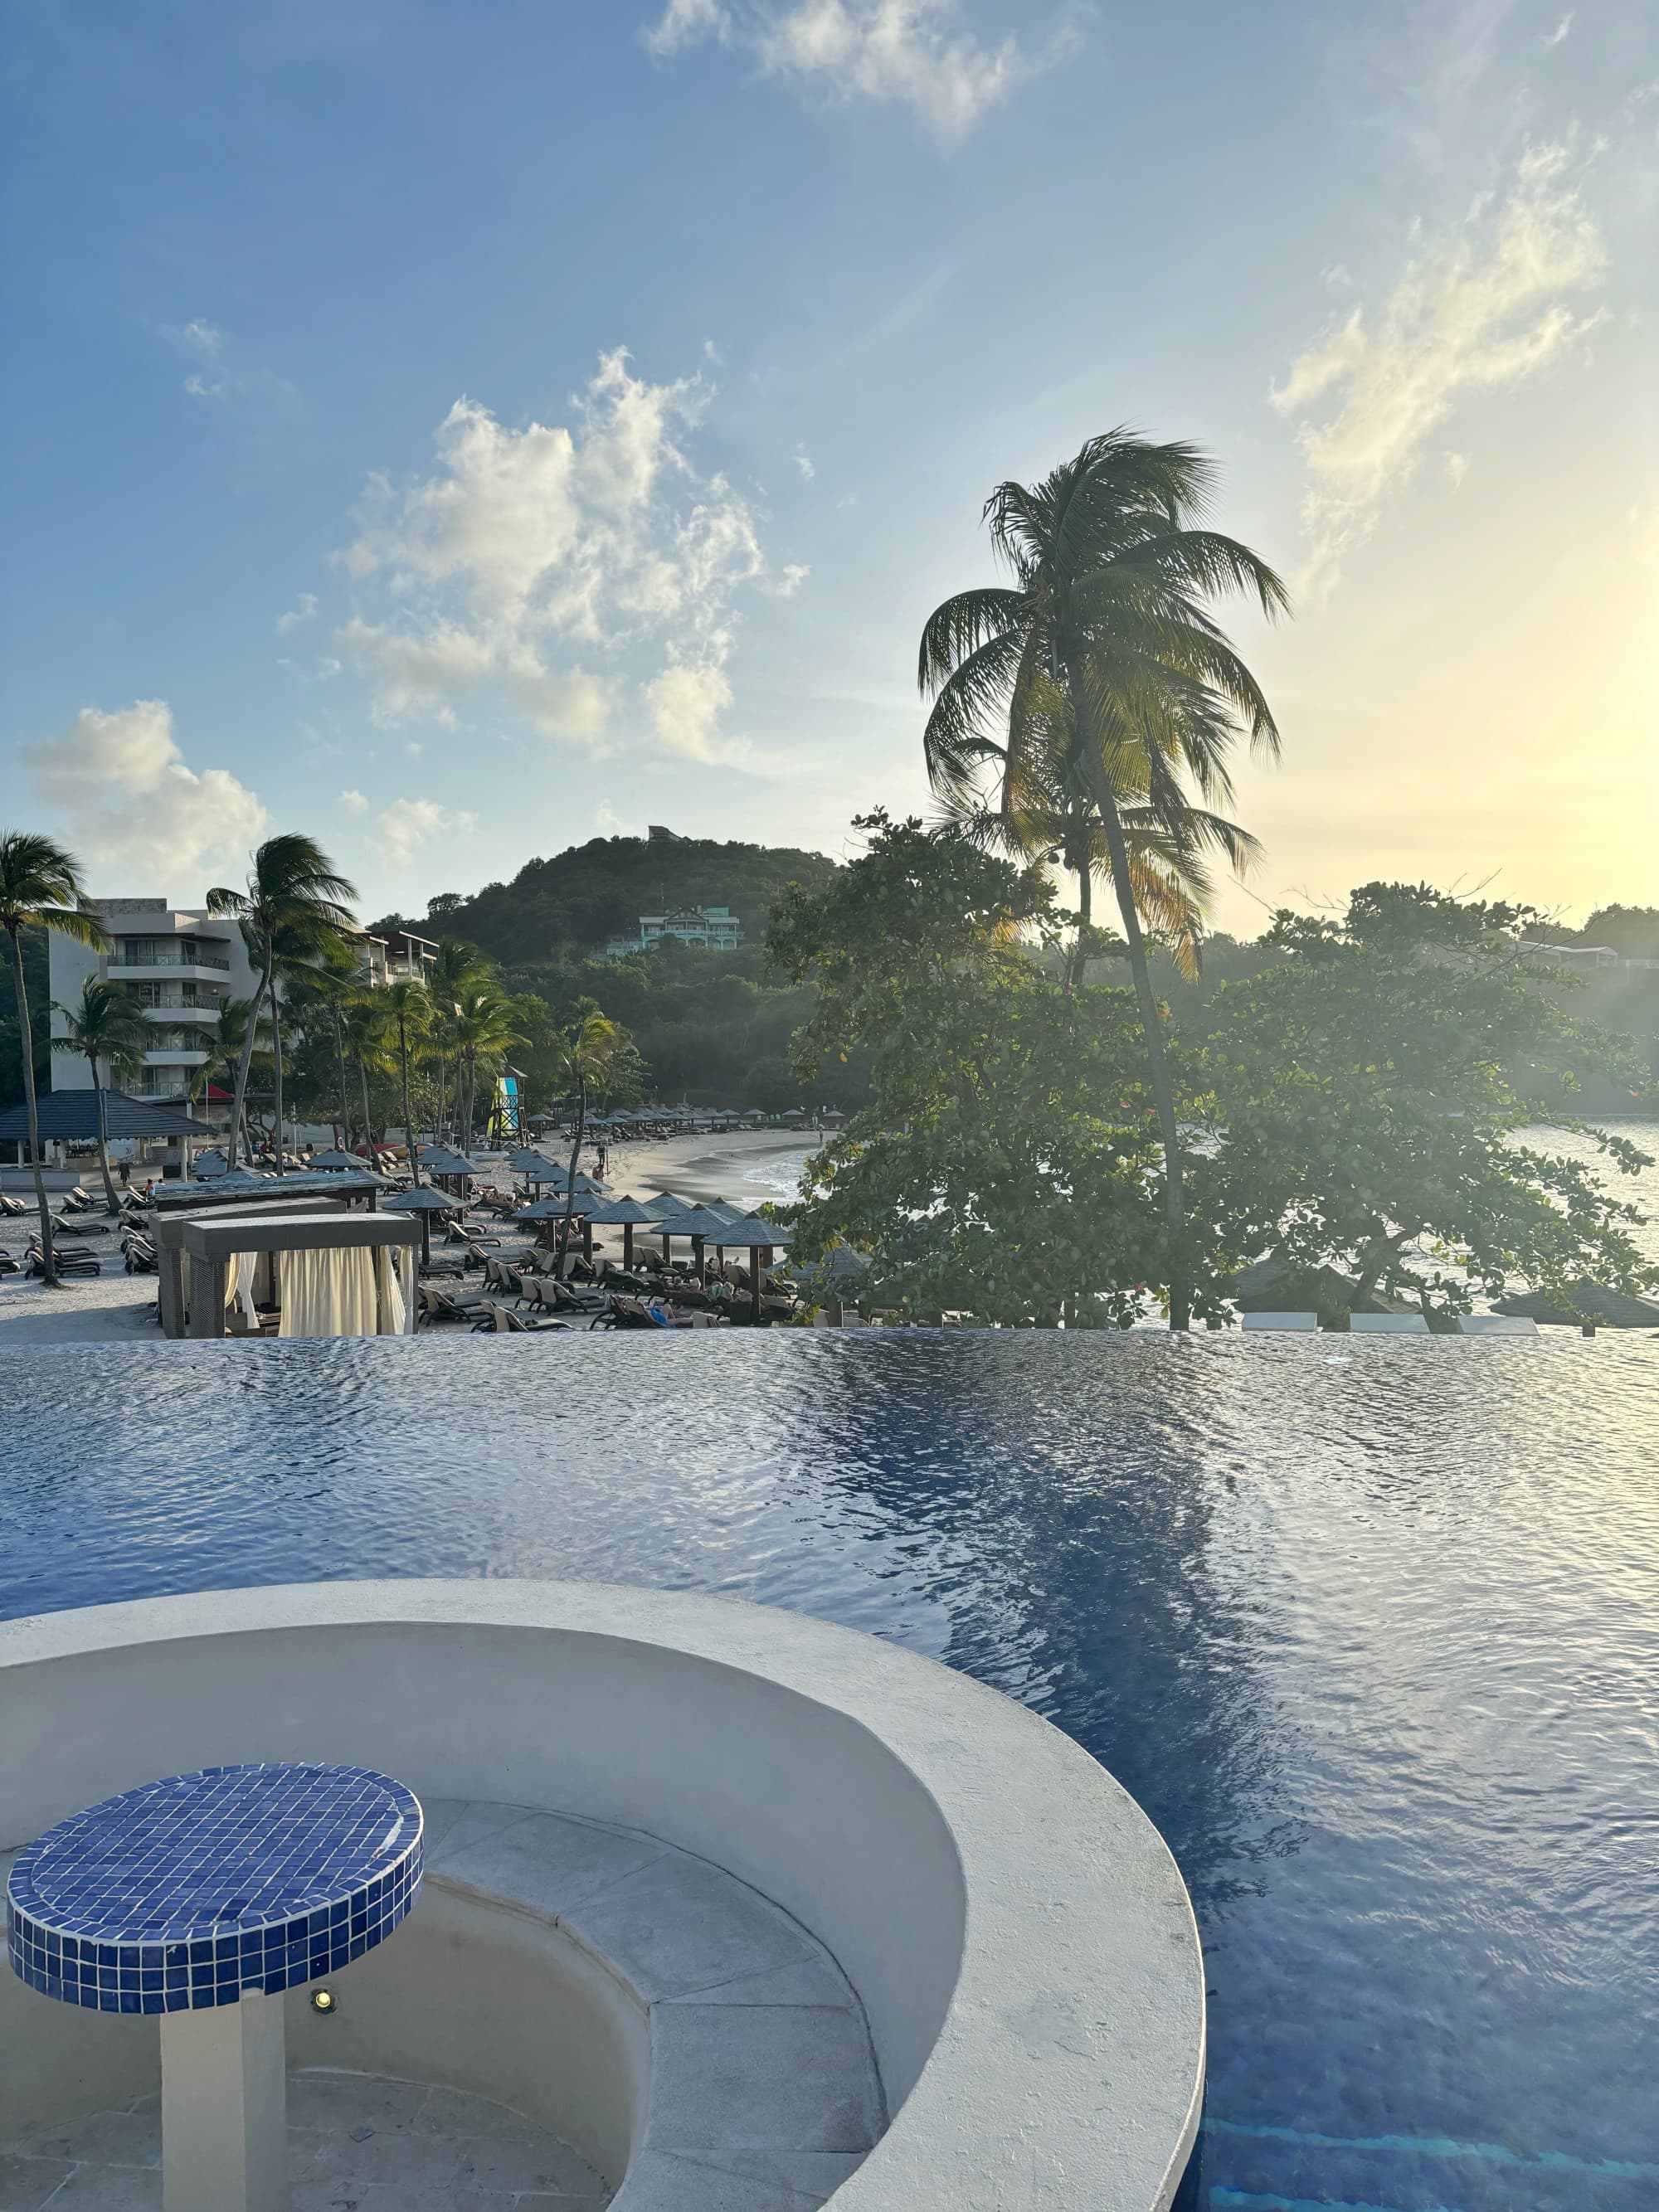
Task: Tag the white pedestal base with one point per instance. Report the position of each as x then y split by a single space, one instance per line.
224 2108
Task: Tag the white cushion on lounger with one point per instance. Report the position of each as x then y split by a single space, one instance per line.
1281 1321
1389 1325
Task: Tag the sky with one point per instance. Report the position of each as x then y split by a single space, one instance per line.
459 431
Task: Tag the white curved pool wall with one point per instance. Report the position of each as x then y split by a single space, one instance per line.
1019 1937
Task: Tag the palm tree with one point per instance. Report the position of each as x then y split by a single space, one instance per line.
108 1027
484 1031
1039 804
40 887
456 967
366 1023
410 1008
1106 622
225 1043
585 1058
315 989
293 904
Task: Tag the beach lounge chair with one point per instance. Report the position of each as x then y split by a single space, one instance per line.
67 1263
1388 1325
1496 1325
504 1321
1292 1321
9 1263
438 1305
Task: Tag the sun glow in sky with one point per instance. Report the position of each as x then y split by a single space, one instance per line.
461 432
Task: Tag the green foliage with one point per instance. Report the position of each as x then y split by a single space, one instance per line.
1351 1088
709 1026
35 978
1008 1161
1630 931
589 893
1362 1102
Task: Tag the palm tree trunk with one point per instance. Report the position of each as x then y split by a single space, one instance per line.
277 1051
25 1043
345 1087
110 1201
362 1077
1158 1067
409 1133
443 1093
246 1061
570 1179
1085 902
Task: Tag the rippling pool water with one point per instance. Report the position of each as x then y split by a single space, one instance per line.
1371 1629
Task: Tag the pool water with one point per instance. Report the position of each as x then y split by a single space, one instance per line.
1371 1628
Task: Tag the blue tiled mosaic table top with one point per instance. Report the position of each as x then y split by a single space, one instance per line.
184 1892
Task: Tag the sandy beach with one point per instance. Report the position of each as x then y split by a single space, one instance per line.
750 1167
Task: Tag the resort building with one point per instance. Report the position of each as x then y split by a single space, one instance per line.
715 927
183 963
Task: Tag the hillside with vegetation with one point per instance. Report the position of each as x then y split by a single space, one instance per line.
582 896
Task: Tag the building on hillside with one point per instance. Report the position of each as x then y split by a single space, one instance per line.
715 927
1583 959
183 963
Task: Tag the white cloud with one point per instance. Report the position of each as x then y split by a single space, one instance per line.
303 611
531 558
354 802
913 53
685 21
1554 37
1480 307
251 397
803 463
132 808
408 824
686 704
1457 467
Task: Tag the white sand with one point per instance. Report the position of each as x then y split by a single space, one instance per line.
749 1166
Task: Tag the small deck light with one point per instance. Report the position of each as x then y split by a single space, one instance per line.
322 2001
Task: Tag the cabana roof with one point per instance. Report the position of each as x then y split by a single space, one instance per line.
67 1116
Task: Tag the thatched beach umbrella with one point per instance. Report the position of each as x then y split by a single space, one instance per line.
552 1209
626 1214
697 1222
334 1159
425 1202
752 1233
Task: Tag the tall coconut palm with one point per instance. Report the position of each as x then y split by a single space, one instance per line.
1106 621
484 1032
410 1010
1038 802
366 1023
455 966
108 1029
585 1059
316 989
294 902
225 1042
40 887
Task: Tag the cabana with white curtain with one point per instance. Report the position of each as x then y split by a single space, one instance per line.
303 1274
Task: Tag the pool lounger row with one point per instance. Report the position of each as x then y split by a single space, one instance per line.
1399 1324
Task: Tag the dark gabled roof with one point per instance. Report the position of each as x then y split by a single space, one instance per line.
69 1114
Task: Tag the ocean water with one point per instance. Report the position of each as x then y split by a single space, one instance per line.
1370 1627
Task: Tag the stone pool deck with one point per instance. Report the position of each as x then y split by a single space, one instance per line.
356 2143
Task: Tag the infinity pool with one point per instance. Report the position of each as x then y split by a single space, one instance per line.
1371 1629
